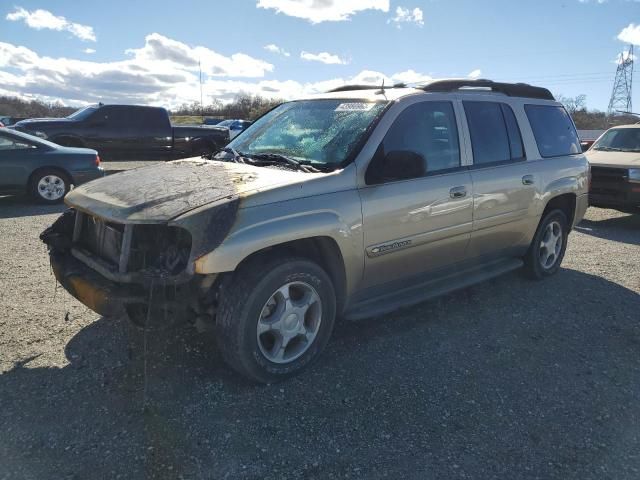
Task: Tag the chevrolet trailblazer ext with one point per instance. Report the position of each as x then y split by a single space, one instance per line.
349 204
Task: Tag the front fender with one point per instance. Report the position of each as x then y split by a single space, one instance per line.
258 228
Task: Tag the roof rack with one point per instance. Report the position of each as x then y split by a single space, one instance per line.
510 89
349 88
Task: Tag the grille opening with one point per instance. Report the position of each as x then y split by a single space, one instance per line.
102 238
154 249
159 249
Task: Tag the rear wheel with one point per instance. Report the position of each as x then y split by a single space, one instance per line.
548 247
275 318
49 185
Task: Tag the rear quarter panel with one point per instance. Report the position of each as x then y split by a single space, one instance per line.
555 176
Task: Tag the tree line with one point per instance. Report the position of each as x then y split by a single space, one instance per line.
17 107
250 107
243 106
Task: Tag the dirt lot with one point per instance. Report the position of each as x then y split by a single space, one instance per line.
508 379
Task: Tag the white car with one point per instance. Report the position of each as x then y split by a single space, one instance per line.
615 169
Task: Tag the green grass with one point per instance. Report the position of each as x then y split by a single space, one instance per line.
186 119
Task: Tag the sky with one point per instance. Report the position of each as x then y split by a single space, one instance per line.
152 52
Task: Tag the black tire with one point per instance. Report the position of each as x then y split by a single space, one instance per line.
243 298
58 177
535 266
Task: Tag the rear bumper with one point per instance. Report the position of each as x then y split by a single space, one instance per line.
84 176
582 203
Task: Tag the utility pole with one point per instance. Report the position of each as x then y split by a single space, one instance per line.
621 94
201 104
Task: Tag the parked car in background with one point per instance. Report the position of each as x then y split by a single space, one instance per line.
128 132
588 137
43 169
212 121
615 169
235 126
7 121
349 204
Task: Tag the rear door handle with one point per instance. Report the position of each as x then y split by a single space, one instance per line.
458 192
528 180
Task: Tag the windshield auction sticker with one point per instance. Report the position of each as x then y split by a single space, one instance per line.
354 107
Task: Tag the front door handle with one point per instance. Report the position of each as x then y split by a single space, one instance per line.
528 180
458 192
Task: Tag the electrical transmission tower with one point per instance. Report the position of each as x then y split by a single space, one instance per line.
621 94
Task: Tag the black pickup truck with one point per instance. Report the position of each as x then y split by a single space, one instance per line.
127 132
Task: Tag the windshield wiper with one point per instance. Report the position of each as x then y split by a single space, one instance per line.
237 157
265 159
283 159
608 149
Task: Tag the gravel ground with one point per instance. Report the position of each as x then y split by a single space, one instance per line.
507 379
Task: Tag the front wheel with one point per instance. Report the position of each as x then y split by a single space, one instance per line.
548 247
275 317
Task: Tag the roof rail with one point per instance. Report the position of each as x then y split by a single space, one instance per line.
510 89
349 88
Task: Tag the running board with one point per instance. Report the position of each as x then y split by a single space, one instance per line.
429 289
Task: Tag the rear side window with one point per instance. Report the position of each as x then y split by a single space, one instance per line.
495 136
553 129
154 118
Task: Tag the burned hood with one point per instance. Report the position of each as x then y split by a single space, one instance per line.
161 192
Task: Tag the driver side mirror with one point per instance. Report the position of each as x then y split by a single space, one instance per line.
403 165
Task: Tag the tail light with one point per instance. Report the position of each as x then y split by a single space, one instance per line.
589 178
97 160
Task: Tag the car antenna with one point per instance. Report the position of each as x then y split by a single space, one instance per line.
381 91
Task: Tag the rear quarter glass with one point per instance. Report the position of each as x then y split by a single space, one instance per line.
553 130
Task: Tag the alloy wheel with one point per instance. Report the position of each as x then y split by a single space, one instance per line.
289 322
550 245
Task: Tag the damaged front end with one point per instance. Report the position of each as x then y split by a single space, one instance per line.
141 270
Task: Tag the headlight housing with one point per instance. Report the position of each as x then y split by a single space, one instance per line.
634 175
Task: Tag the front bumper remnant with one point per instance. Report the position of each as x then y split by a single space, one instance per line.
96 292
146 297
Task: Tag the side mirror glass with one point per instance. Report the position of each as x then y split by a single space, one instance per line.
402 165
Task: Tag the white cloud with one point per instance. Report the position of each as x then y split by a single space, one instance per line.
405 15
152 77
324 57
317 11
475 74
409 76
276 49
163 50
43 19
630 34
89 50
155 74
